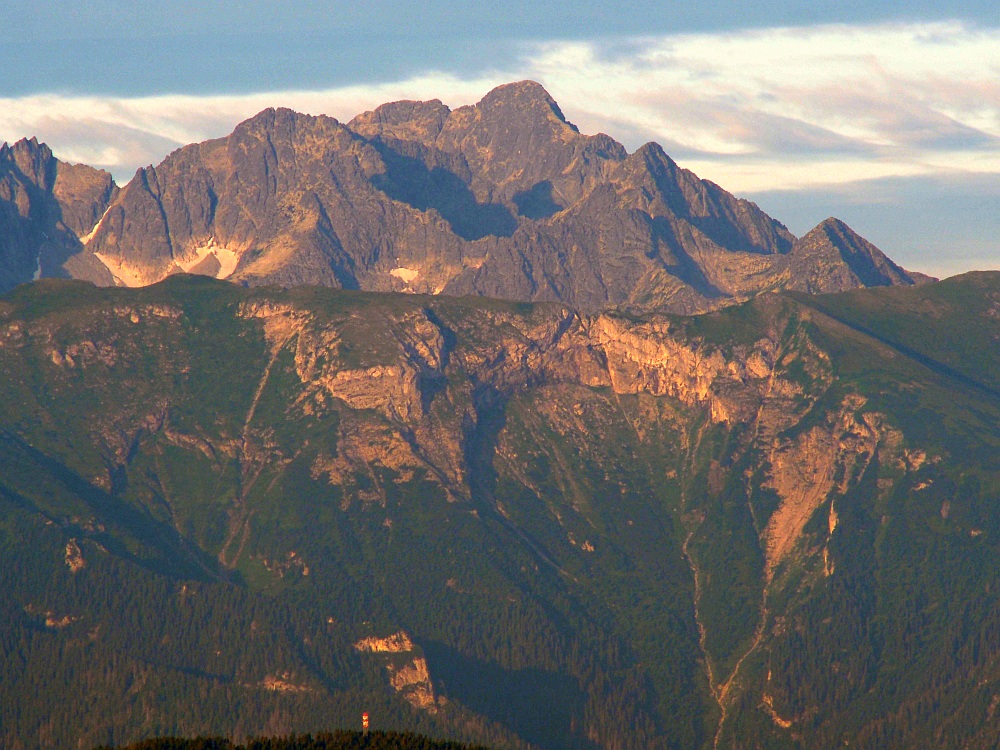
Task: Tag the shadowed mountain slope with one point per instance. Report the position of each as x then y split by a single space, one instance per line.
45 207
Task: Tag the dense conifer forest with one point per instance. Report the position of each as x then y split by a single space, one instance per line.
339 740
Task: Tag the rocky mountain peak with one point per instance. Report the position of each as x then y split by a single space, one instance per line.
33 159
867 262
833 257
652 153
46 207
654 179
521 98
273 119
832 224
837 233
83 194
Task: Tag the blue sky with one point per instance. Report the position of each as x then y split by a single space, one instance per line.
884 114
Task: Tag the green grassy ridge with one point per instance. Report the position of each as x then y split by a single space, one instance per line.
949 326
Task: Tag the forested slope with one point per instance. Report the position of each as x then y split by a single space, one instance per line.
256 512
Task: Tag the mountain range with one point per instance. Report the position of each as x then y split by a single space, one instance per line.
492 431
504 199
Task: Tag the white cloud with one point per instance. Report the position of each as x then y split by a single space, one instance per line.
790 108
752 110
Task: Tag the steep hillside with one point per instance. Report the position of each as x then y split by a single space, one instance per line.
504 199
257 511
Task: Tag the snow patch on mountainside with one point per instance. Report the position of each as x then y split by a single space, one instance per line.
90 235
209 259
408 275
226 258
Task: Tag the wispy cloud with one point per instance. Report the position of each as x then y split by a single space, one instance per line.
772 109
789 108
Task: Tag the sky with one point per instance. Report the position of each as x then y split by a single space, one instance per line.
884 114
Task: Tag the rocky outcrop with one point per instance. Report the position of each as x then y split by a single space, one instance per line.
650 358
558 346
283 684
74 557
758 383
505 198
410 417
407 668
813 468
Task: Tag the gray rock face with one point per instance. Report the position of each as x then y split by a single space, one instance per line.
46 206
505 198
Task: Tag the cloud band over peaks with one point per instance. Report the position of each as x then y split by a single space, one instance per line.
769 109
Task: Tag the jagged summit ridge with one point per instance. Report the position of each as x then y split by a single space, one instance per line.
504 198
